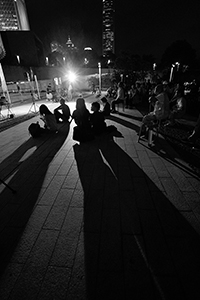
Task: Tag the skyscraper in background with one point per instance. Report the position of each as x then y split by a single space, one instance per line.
108 34
13 15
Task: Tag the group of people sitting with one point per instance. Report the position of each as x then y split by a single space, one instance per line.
164 109
87 124
61 114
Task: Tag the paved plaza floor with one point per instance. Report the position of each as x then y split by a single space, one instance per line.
109 219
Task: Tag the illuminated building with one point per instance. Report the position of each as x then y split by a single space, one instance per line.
21 45
108 38
13 15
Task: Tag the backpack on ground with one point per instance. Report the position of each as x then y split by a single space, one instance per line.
35 130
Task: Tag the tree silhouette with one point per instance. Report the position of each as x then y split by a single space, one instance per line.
180 51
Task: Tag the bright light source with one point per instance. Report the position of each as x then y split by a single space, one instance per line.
71 76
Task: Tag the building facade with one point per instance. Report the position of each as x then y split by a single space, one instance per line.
20 45
13 15
108 34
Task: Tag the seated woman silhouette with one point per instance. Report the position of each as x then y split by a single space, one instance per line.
81 116
48 118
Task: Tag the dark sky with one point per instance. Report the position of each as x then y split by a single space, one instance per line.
142 26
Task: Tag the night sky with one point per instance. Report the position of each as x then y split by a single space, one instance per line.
142 27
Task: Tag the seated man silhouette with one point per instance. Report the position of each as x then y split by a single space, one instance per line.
62 112
97 119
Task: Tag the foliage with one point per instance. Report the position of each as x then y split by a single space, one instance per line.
180 51
106 81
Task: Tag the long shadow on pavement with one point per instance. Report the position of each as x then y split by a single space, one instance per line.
137 243
27 167
124 122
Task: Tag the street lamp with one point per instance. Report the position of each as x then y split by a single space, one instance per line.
18 59
171 72
99 66
177 64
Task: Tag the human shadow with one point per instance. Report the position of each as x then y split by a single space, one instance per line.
121 113
138 241
25 168
124 122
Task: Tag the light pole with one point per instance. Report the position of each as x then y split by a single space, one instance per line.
171 72
99 65
18 59
178 65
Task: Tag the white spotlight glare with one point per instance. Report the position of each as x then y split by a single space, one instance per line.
71 76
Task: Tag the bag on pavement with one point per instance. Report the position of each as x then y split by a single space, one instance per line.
35 130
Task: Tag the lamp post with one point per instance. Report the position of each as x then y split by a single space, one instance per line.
178 65
171 72
18 59
99 66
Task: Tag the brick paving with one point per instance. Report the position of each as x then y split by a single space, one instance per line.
108 219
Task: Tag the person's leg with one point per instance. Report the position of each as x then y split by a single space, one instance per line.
58 115
64 118
149 119
196 132
113 103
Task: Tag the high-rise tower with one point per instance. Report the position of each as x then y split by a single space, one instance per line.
13 15
108 38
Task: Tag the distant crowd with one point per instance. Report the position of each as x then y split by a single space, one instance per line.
166 102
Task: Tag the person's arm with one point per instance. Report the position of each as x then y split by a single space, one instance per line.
57 108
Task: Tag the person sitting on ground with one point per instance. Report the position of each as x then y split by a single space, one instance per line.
106 107
62 112
48 118
81 114
49 95
120 97
179 106
97 119
161 108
